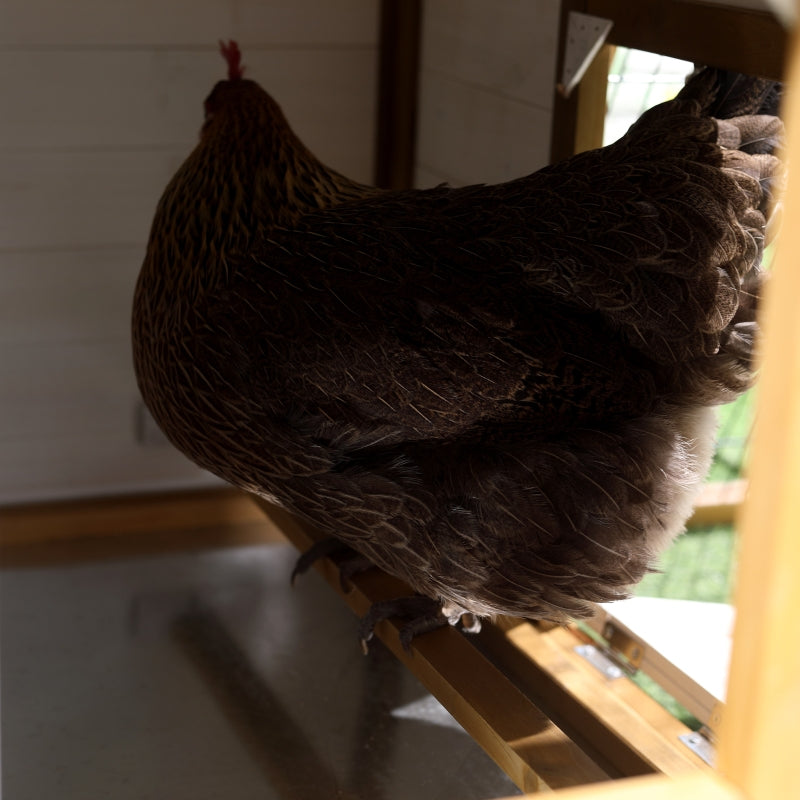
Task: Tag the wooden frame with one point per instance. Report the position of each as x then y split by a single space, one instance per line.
735 38
756 748
398 78
482 687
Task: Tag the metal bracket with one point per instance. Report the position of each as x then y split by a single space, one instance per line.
601 661
701 744
621 655
585 36
621 643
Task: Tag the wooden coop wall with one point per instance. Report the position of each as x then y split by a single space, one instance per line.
102 101
758 743
487 77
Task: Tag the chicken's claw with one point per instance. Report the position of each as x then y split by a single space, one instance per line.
349 562
423 614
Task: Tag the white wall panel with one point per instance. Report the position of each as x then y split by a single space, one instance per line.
425 178
61 296
56 199
170 23
50 388
72 464
486 89
102 101
507 47
473 135
142 99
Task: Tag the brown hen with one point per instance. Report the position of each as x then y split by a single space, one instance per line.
501 394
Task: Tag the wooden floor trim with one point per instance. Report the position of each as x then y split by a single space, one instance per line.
131 514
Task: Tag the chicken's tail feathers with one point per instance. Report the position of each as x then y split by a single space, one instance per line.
750 137
715 228
724 94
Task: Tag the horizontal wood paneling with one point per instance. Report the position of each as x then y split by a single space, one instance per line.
62 200
76 464
733 38
487 82
87 298
135 99
102 102
89 385
170 23
507 47
477 136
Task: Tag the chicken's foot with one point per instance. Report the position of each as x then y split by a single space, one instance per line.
348 561
424 614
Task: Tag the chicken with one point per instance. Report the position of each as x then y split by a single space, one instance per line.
503 395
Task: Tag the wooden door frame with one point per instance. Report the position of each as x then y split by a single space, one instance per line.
733 38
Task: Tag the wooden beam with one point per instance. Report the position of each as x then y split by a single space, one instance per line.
529 747
758 749
721 36
398 79
113 527
592 103
621 727
699 786
565 109
718 502
115 516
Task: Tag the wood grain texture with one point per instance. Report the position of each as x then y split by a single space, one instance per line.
705 786
121 516
624 728
734 38
718 502
758 749
533 751
487 72
182 23
136 526
504 47
105 101
474 135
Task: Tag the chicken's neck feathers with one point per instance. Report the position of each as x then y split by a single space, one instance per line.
245 178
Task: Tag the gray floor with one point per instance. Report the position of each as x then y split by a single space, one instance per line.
206 676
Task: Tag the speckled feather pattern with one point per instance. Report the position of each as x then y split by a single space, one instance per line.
499 393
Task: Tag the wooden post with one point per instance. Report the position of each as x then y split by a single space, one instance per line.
759 732
758 749
398 78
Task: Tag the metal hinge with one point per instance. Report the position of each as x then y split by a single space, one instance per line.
623 646
701 743
585 36
622 654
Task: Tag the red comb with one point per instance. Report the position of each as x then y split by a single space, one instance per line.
232 54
